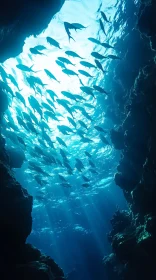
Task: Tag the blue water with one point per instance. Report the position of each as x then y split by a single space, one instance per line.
71 224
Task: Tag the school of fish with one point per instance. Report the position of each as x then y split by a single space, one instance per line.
33 119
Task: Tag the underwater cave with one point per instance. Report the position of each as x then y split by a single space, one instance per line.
77 140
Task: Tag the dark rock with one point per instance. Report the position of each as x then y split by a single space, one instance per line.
117 138
133 235
20 19
16 157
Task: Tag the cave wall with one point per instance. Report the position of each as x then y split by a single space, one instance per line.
18 260
20 19
133 235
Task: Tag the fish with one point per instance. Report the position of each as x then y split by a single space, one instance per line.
107 46
33 117
93 171
78 167
21 122
68 95
92 164
61 141
50 75
40 48
89 105
100 89
102 27
65 105
39 180
99 7
47 139
99 65
83 124
78 26
70 170
86 115
104 140
21 98
65 60
62 178
73 54
85 185
25 68
98 55
79 97
47 107
99 128
88 154
35 105
85 178
113 56
50 114
87 64
31 128
67 27
81 82
66 128
63 154
71 121
69 72
104 17
41 142
14 82
39 151
43 125
60 63
3 74
26 116
36 80
81 133
95 41
53 42
87 90
51 93
4 86
35 51
84 73
39 91
50 103
86 140
64 101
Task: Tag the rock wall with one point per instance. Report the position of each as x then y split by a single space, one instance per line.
20 19
133 237
19 260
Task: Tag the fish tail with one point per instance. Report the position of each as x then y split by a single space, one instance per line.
70 37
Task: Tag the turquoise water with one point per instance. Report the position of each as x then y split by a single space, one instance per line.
70 222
